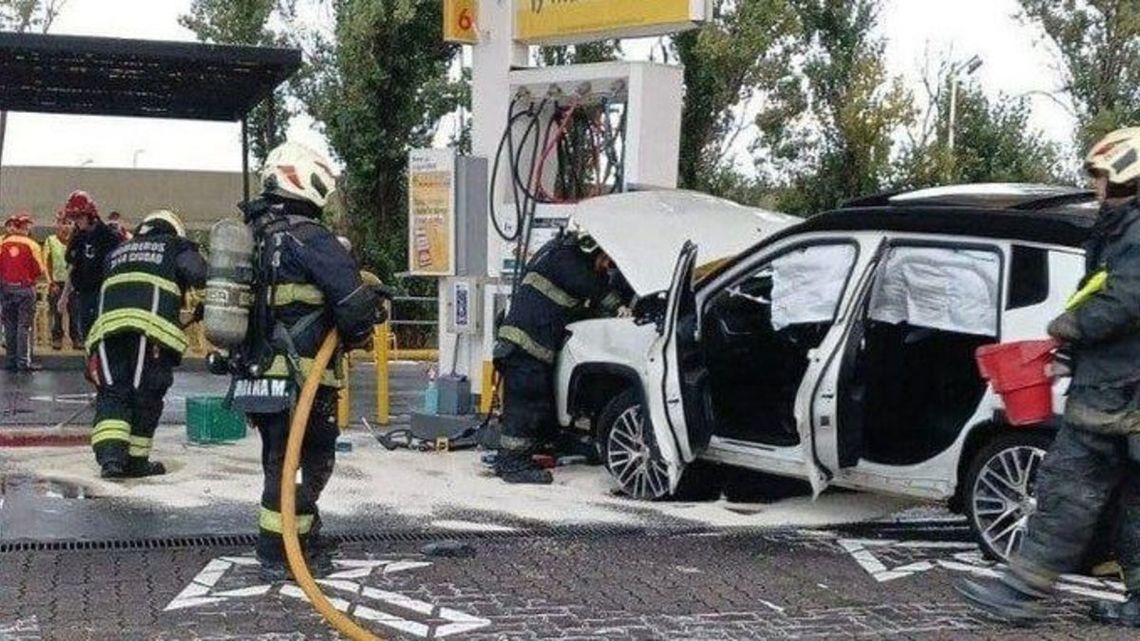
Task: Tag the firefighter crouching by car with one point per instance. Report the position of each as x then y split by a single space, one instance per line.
569 279
1095 458
304 285
137 339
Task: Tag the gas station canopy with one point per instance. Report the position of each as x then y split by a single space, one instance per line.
137 78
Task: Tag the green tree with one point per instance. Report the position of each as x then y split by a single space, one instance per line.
994 142
1098 46
380 88
832 135
247 22
740 55
580 54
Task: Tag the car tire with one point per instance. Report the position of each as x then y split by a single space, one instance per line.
998 489
625 442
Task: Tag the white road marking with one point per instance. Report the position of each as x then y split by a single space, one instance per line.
772 606
968 560
440 623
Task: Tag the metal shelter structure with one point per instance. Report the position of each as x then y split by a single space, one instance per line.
140 78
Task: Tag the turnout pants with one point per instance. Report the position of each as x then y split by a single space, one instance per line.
1082 475
318 456
18 309
133 375
88 308
528 402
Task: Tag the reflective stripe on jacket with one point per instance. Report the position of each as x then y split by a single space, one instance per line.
141 292
561 286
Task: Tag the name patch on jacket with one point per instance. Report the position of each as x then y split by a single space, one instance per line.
138 252
262 395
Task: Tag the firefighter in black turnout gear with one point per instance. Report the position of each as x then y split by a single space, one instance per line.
137 339
1095 459
569 279
305 285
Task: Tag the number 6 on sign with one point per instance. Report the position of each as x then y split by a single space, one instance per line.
459 20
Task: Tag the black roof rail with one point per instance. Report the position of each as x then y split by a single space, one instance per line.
882 199
1048 202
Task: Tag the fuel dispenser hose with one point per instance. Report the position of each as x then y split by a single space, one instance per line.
293 553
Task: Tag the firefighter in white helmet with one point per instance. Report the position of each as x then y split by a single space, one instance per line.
305 284
1095 458
137 339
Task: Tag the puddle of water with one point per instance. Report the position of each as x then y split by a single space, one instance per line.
27 485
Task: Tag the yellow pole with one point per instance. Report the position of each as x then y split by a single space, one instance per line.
344 399
383 382
487 389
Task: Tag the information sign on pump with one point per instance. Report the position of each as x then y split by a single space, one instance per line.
431 212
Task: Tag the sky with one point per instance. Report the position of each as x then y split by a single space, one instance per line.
1015 62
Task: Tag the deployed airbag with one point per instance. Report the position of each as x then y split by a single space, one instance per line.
807 284
945 289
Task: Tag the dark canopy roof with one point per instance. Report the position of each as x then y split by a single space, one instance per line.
148 78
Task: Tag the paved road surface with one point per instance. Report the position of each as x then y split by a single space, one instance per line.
871 583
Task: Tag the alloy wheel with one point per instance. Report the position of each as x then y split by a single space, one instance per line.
630 458
1004 498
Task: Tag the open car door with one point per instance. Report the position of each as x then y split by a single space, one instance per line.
677 398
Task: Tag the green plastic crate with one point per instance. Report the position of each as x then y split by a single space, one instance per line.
207 421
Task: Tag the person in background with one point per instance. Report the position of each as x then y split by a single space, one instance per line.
20 267
87 254
118 225
55 259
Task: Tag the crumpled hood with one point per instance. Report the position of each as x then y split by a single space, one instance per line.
644 231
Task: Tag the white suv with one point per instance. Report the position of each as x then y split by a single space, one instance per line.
841 351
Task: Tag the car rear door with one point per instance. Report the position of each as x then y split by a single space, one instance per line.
677 398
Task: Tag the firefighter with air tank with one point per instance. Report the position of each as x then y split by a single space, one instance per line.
279 283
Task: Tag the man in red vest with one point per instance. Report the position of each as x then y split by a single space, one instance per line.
20 267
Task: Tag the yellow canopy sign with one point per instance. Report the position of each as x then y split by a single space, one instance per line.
542 22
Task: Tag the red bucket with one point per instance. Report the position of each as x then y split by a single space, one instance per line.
1019 373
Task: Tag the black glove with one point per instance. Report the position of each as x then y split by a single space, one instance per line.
1065 328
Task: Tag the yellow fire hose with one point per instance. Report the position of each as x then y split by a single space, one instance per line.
293 553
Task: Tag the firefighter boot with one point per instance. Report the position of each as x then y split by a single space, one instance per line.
1112 613
1001 599
517 468
320 566
138 467
113 470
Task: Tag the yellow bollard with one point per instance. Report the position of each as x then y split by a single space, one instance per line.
487 389
383 400
344 399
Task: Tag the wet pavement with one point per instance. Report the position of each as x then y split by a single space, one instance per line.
583 585
170 559
61 394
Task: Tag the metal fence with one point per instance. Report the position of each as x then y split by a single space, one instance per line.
415 322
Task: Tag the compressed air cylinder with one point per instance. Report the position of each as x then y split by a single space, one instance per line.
229 288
